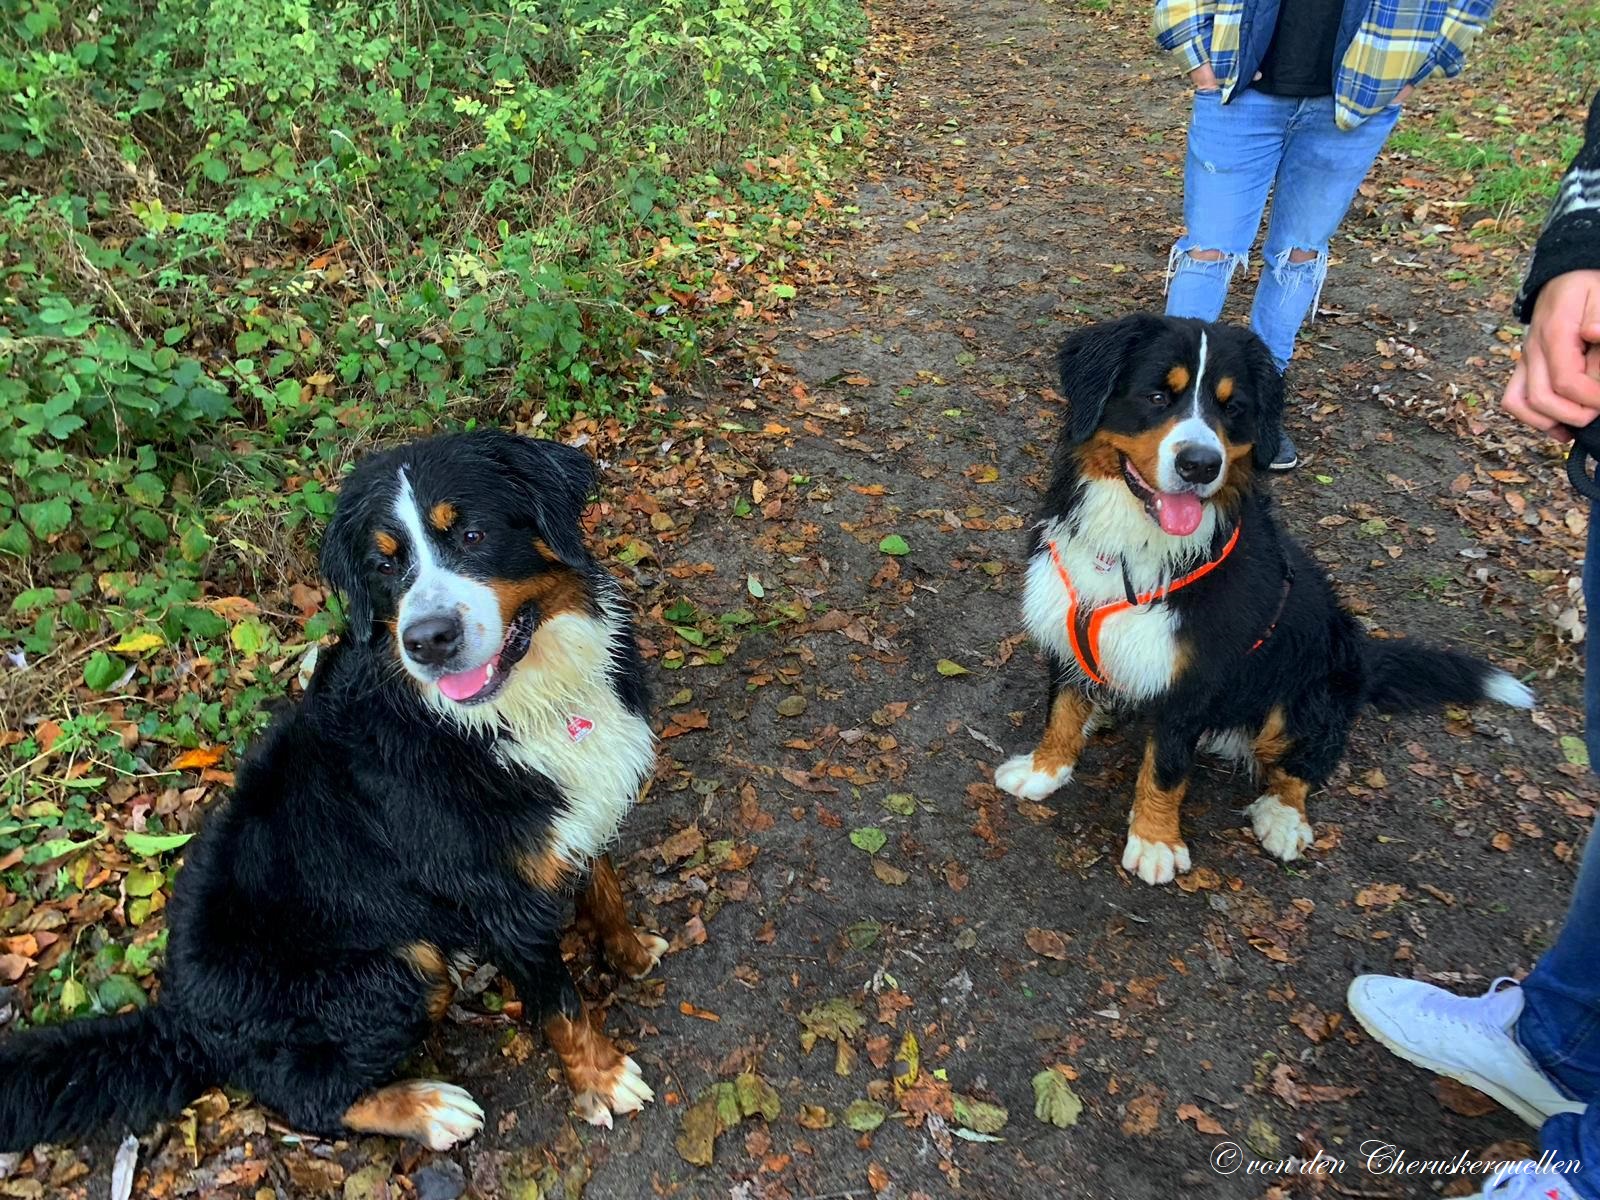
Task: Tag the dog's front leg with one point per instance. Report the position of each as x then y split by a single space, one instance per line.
1156 852
1034 776
634 952
603 1079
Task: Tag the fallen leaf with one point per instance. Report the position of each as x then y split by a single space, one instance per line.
1202 1122
948 668
980 1115
1143 1113
1054 1101
681 723
1046 943
869 838
864 1115
1459 1098
894 544
194 760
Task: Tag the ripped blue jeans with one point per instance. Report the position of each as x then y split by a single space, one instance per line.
1241 152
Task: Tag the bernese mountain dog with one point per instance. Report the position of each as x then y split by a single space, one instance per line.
453 775
1160 585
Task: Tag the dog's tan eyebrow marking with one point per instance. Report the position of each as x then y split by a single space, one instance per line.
1224 389
1178 378
386 543
442 515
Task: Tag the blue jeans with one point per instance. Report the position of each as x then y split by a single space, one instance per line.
1238 153
1560 1021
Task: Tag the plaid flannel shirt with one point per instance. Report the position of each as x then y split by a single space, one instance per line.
1398 42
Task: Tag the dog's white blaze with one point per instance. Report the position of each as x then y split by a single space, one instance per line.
434 591
1193 430
565 674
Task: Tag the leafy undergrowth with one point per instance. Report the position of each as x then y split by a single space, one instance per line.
241 242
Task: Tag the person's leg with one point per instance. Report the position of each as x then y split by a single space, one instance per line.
1560 1021
1571 1144
1233 153
1323 166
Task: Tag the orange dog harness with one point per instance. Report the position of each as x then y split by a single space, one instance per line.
1083 624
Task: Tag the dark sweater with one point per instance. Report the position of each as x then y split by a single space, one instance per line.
1571 237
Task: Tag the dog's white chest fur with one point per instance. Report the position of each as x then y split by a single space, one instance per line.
1138 647
559 715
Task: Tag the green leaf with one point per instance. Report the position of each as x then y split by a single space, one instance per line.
979 1115
753 585
784 291
864 1115
151 844
146 489
140 882
947 667
73 996
118 991
47 517
869 838
1576 751
1054 1101
894 544
250 637
903 803
102 670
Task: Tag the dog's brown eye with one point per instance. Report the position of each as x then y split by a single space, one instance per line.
386 566
1160 399
472 537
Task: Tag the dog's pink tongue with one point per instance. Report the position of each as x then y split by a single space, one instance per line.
467 684
1178 512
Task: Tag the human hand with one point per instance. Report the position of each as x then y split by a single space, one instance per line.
1556 386
1204 79
1404 93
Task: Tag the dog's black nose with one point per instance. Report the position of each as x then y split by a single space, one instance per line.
1198 464
432 641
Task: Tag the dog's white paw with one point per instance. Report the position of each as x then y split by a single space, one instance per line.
1281 829
1017 776
624 1092
655 946
449 1114
1154 862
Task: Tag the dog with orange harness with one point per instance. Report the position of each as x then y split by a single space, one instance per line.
1160 585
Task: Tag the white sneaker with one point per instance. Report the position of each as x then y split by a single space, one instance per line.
1520 1181
1466 1038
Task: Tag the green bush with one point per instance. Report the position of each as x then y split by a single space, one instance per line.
244 234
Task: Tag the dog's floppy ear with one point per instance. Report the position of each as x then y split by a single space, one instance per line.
1266 385
553 483
1091 363
344 550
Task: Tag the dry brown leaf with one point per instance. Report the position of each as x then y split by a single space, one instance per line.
1203 1122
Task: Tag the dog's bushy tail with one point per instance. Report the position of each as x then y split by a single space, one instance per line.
1403 675
82 1077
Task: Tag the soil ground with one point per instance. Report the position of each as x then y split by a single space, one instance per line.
1030 182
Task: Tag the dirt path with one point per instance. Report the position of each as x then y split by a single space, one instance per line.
1028 184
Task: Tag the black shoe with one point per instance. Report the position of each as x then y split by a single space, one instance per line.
1287 458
